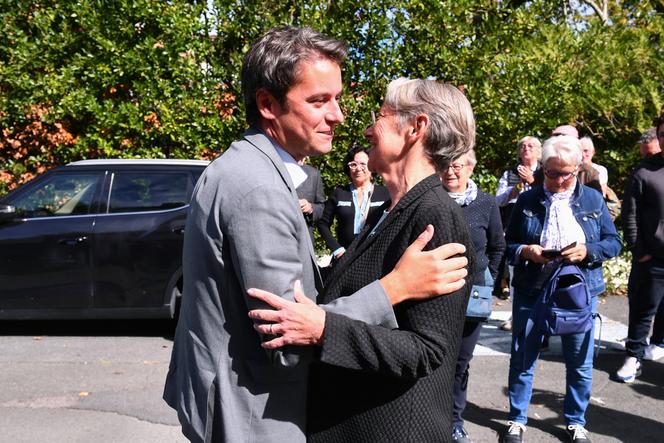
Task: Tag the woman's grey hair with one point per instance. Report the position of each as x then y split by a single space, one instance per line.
471 158
451 131
536 141
272 63
648 136
564 147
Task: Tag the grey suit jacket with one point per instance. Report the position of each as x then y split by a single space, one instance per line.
245 229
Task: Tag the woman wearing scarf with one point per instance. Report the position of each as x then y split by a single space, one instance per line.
557 214
486 231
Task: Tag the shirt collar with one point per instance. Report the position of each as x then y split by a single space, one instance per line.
295 171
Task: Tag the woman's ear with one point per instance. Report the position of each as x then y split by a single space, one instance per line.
419 127
422 122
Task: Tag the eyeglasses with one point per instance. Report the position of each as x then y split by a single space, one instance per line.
553 175
377 115
456 167
357 165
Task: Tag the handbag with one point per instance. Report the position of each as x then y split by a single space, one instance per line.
480 301
613 203
565 306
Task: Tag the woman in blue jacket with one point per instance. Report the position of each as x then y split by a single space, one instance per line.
554 215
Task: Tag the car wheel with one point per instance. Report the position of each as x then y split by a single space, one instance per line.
176 300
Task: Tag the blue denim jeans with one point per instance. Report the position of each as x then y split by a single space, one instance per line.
578 355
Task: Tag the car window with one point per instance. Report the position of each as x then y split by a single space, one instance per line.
148 191
58 195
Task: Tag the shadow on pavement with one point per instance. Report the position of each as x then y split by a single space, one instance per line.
80 328
621 423
497 420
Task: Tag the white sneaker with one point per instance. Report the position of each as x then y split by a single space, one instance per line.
629 370
653 352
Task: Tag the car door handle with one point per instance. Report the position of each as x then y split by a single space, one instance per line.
72 241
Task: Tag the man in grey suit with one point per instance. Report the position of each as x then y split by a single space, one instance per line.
245 229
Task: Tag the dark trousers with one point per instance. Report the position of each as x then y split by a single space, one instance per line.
471 333
646 287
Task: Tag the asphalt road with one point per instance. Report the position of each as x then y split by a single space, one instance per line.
102 381
88 381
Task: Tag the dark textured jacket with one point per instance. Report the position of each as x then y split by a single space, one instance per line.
340 205
643 209
380 385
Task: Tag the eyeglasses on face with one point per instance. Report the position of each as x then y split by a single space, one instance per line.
554 175
357 165
377 115
456 167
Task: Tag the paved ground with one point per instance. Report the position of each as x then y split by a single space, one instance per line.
102 382
617 413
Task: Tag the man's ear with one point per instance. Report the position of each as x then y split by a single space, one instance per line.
267 105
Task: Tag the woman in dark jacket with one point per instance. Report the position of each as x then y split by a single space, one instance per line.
374 384
353 205
486 230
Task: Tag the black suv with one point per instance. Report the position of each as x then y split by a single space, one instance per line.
96 239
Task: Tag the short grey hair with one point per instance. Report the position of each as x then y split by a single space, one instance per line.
535 140
564 147
451 131
471 158
273 61
648 136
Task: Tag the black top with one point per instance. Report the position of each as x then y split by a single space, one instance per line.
340 205
380 385
486 231
643 209
312 190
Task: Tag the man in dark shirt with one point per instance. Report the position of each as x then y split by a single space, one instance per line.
643 226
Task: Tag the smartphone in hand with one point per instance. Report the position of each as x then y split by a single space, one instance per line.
553 253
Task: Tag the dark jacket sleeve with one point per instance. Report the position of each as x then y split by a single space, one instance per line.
515 233
629 219
327 217
495 247
429 331
318 204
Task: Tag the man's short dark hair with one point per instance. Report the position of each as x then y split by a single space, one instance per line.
272 62
648 136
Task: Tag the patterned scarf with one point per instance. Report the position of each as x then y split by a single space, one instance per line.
466 197
560 225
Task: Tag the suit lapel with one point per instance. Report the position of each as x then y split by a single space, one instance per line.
256 138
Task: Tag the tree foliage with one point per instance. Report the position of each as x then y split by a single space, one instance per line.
147 78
